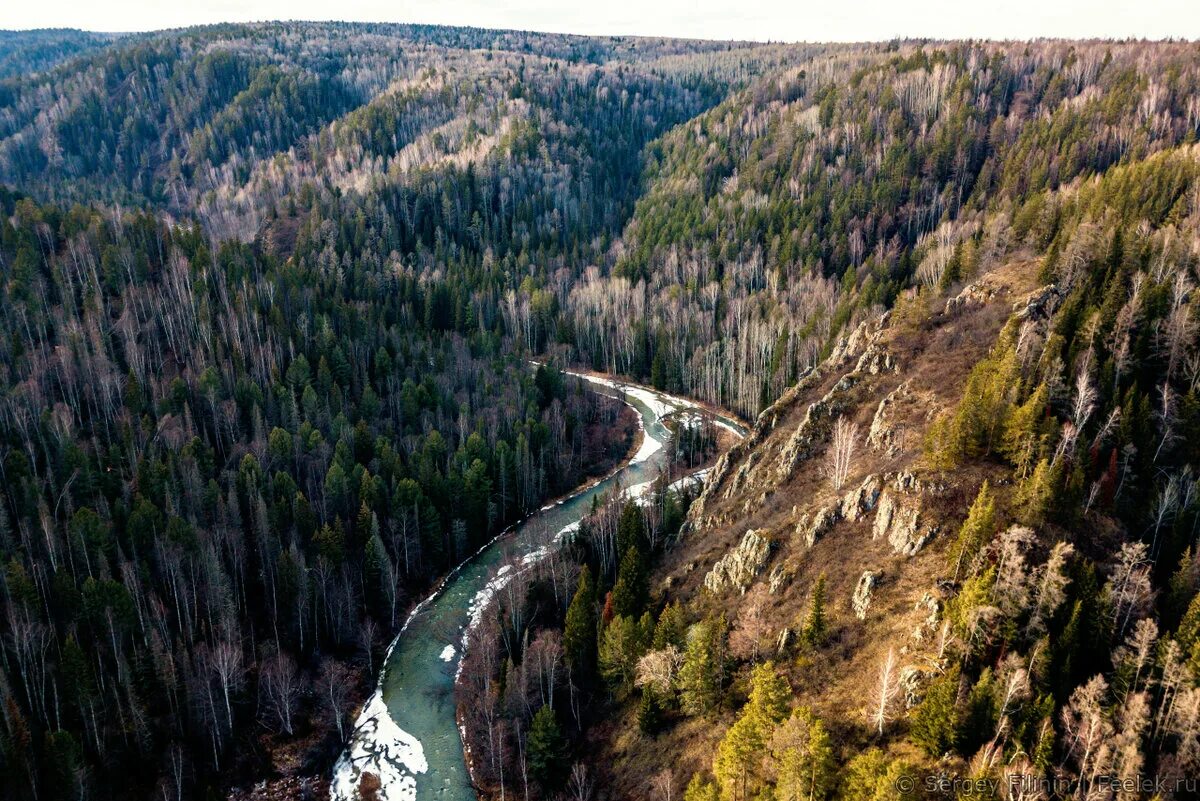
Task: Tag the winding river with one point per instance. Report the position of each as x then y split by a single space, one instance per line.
407 734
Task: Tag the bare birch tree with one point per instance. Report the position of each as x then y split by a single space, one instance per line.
886 694
840 457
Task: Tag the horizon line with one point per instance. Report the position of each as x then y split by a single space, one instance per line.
900 38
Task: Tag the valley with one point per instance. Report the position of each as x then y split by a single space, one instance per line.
408 733
413 412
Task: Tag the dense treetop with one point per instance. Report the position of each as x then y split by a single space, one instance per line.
267 299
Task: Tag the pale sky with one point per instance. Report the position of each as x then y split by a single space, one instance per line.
797 20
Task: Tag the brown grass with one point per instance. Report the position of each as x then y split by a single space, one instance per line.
934 352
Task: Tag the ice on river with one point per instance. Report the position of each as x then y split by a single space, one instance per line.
378 745
661 405
381 747
640 492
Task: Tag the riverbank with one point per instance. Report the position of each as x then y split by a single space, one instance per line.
416 688
385 754
294 768
668 414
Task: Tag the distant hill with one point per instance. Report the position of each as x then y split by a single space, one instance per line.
268 298
24 53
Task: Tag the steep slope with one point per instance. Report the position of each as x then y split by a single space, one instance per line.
233 449
1012 522
773 223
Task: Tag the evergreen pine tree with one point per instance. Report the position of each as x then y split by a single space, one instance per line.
1180 589
650 713
631 528
632 590
670 628
802 758
935 722
815 626
548 754
975 533
1025 435
701 789
579 630
702 675
871 777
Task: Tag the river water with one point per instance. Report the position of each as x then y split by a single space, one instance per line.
407 733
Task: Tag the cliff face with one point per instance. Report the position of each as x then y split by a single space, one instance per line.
879 538
963 532
769 521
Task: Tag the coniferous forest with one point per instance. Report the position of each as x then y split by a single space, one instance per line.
270 298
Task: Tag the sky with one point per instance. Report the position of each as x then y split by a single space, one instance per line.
762 20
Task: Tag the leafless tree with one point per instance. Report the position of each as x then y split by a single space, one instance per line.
543 663
226 659
1016 689
336 682
1178 334
580 786
840 456
752 627
1085 394
1088 730
1128 589
1137 652
1174 678
368 639
279 689
1011 588
1185 725
658 669
1127 758
886 694
1050 587
1023 781
1168 418
663 785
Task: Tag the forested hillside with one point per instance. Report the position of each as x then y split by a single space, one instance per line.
962 544
170 117
268 298
812 198
25 52
232 463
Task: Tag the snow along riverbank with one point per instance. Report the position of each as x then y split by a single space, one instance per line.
379 745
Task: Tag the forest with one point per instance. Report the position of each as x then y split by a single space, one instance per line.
269 298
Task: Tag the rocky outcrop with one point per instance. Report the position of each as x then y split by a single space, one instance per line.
899 517
883 436
853 506
742 474
739 567
859 502
899 522
812 527
849 346
743 467
931 607
911 679
858 341
810 435
1039 305
778 578
864 591
979 293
